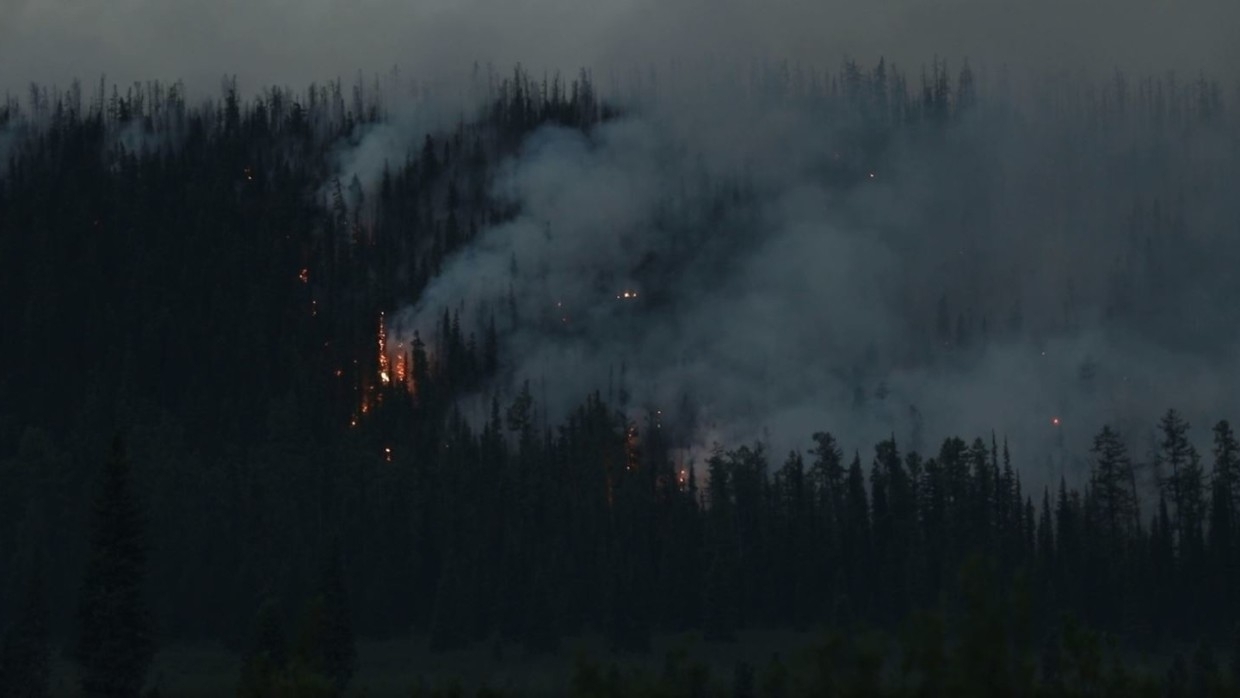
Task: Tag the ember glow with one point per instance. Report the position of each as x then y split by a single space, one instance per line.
402 365
393 373
384 376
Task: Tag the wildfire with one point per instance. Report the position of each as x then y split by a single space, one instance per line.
627 295
384 376
393 370
1055 421
304 276
387 453
402 364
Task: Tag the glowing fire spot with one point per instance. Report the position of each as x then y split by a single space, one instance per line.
384 376
1055 421
873 176
304 275
402 366
387 454
627 295
339 372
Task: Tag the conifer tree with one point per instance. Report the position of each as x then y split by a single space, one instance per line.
115 637
326 644
25 657
1110 483
266 660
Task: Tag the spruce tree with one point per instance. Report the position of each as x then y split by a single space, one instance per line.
1227 458
115 642
266 661
25 667
1110 484
326 644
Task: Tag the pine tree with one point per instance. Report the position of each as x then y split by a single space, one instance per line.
826 476
1224 516
1068 544
326 644
855 537
1183 482
115 643
1226 475
266 660
1110 480
25 657
1162 567
447 626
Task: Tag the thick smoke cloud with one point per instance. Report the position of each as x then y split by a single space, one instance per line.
784 284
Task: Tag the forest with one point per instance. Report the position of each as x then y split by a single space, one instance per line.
259 396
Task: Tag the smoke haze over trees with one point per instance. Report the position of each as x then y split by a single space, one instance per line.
512 356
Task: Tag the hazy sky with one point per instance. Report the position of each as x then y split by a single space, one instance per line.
295 41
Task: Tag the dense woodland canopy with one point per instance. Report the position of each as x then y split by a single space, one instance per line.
198 280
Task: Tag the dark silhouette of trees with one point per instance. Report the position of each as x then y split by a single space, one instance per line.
326 645
116 641
25 647
266 659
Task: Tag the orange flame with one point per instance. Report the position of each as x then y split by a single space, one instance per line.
384 376
402 365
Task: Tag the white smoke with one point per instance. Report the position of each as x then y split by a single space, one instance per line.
774 304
